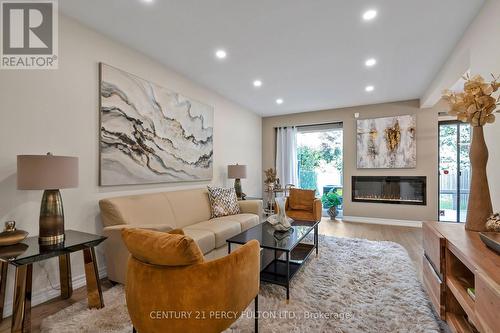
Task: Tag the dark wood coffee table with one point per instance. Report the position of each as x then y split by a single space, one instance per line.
275 269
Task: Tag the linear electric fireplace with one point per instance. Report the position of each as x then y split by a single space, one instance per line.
392 190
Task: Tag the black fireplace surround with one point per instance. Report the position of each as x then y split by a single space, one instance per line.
406 190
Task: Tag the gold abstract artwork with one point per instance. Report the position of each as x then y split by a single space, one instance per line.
388 142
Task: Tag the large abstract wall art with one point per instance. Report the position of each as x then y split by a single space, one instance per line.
150 134
387 142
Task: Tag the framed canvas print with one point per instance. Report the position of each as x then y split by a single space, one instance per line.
149 134
388 142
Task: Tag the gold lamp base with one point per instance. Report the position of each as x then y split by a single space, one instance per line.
51 218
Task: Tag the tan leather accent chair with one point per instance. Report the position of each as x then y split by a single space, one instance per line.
171 288
303 205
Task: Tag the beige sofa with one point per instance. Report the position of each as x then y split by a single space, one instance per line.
188 210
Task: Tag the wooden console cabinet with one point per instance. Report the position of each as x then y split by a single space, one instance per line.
454 260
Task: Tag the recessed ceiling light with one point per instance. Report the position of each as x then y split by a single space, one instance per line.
148 1
369 88
257 83
369 15
279 101
221 54
370 62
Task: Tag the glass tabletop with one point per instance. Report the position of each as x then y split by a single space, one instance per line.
29 251
270 238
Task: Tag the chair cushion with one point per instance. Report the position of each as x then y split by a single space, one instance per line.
204 239
300 215
223 201
245 220
301 199
223 229
160 248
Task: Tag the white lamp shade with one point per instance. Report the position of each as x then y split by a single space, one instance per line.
237 171
46 172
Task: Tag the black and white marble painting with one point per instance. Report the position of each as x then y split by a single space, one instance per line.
150 134
388 142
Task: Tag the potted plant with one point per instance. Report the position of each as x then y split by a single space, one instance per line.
332 200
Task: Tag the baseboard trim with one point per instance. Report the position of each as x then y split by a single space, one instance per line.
46 294
376 220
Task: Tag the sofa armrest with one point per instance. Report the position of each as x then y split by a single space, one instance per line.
317 209
115 251
251 206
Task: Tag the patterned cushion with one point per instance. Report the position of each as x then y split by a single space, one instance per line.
223 201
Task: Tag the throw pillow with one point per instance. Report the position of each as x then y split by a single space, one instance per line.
161 248
223 201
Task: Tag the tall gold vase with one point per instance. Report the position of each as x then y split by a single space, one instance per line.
480 207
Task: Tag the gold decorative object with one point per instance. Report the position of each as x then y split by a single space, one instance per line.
476 105
11 235
493 223
11 252
270 176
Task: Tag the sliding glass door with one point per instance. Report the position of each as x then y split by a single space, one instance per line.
320 157
454 170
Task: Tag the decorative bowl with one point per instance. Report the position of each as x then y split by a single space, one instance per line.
11 252
11 235
492 240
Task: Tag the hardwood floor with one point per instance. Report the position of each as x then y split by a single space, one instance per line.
55 305
409 238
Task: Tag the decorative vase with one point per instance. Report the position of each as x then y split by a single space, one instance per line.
480 207
283 223
332 211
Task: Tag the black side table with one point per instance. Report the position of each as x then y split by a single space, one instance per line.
24 254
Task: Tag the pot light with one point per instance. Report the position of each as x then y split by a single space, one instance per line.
279 101
221 54
369 15
257 83
148 1
369 88
370 62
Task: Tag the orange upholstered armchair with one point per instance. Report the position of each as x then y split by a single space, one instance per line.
171 288
303 205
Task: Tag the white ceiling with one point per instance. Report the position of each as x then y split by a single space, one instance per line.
311 53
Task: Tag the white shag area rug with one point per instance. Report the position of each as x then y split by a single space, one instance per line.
354 285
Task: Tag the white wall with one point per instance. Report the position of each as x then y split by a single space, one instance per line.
479 51
492 137
57 111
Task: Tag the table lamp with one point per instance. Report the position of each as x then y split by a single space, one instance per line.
237 172
49 173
